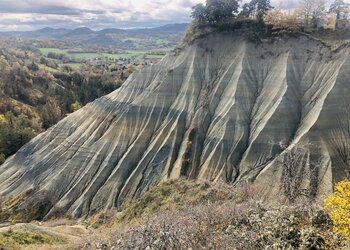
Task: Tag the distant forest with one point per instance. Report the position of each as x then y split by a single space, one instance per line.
36 92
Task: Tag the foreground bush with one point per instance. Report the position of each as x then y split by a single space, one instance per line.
227 226
224 223
338 205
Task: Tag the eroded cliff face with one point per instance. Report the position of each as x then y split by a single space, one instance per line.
224 108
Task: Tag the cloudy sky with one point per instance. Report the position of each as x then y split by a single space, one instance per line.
95 14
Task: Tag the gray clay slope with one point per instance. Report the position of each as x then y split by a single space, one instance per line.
219 110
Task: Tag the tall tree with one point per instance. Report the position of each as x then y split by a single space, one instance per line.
263 6
340 9
314 11
231 7
215 11
248 10
256 8
199 13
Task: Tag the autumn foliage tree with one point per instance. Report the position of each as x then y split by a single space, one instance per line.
338 205
280 20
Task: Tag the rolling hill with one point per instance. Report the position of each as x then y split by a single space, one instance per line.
166 36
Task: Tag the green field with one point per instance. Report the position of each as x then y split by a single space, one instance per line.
46 51
72 65
154 56
74 55
83 56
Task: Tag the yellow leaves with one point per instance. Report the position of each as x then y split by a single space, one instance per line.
338 206
76 106
280 19
2 119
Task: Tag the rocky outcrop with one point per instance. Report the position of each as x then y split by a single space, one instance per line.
224 108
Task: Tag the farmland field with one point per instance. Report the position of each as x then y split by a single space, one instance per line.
72 65
75 55
46 51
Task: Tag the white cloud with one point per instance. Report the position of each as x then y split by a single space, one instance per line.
98 14
27 14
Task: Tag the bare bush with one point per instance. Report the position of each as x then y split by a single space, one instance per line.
249 225
299 172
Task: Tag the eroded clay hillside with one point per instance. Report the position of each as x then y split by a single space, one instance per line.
224 108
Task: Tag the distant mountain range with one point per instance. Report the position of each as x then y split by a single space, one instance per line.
160 37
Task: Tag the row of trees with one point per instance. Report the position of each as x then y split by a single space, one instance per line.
310 13
217 11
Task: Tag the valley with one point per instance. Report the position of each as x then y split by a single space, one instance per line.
43 81
146 39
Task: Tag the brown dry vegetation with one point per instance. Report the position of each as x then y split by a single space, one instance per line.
188 215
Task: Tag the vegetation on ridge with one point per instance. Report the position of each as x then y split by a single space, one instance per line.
308 16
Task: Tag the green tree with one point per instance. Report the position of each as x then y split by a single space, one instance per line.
199 13
231 8
15 131
262 7
215 11
248 9
33 66
256 8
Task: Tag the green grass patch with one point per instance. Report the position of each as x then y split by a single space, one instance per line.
46 51
77 55
126 55
156 56
133 39
175 195
72 65
14 239
84 56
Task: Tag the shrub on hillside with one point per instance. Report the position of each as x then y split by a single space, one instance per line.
189 215
226 226
338 205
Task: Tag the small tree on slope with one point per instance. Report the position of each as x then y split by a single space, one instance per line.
338 205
